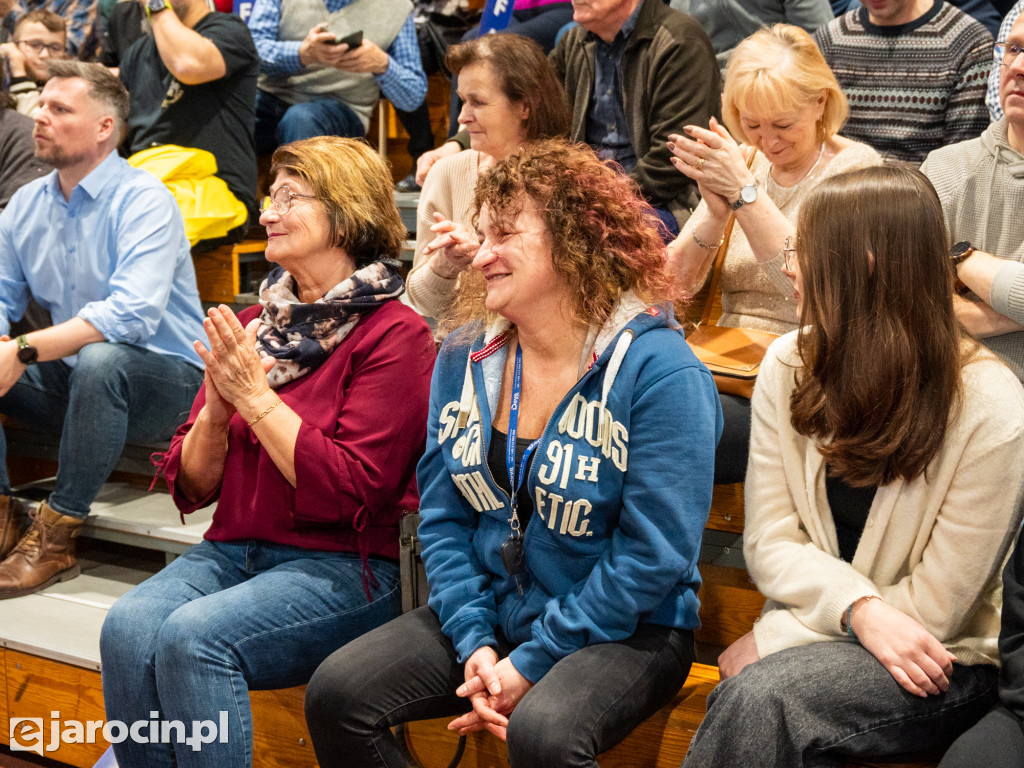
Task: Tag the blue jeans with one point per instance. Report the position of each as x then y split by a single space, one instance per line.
815 704
116 393
407 670
225 618
279 123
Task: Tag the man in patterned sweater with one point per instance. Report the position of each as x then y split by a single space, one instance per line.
914 71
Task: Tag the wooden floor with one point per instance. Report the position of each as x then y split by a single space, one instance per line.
10 759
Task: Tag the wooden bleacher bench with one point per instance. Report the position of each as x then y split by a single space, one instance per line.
228 271
49 641
29 443
49 651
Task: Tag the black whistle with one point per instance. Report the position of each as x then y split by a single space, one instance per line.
513 556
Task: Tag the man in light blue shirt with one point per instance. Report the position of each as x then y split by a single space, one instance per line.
102 247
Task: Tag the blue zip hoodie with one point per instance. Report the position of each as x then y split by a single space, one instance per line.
621 483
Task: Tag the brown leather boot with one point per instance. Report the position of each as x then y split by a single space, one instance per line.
44 556
10 524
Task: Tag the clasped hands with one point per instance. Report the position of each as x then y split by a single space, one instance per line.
236 377
715 161
319 48
494 688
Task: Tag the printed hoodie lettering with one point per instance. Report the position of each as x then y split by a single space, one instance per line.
621 487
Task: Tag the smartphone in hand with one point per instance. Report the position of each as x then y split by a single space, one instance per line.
351 39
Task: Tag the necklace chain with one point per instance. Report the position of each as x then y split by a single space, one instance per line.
792 187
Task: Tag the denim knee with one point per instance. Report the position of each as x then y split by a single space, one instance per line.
337 691
128 634
189 636
99 364
300 121
536 738
751 685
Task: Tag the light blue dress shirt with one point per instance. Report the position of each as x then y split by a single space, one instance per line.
404 83
115 254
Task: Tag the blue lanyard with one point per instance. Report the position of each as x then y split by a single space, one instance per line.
510 448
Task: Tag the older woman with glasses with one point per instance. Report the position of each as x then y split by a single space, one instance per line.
301 437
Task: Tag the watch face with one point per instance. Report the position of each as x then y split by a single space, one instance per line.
156 5
960 249
27 355
748 194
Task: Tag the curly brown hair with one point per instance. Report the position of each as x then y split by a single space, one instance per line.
604 235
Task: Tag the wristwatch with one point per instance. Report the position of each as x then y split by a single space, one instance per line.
27 354
960 252
155 6
748 194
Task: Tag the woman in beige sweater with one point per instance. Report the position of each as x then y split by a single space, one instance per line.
882 494
510 95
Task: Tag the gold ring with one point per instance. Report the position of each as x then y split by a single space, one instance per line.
700 165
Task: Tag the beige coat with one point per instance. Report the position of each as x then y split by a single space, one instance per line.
933 548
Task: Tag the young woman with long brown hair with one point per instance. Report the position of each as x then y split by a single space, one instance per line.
882 493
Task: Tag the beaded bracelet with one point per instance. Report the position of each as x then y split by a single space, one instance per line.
693 234
272 407
849 615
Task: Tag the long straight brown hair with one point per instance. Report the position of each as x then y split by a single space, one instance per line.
881 347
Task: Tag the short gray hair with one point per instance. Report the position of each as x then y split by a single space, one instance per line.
103 86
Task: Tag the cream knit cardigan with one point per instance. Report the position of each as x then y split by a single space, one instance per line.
932 548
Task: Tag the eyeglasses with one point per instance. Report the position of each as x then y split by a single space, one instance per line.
37 46
1006 53
789 253
281 201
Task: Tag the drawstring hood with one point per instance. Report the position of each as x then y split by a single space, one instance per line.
599 338
1005 159
996 140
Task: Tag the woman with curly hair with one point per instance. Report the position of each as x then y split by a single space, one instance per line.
564 489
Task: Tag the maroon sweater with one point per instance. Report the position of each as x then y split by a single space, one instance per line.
364 424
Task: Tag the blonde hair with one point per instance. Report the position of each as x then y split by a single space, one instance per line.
780 69
354 185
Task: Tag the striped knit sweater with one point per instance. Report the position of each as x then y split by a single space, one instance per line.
913 87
